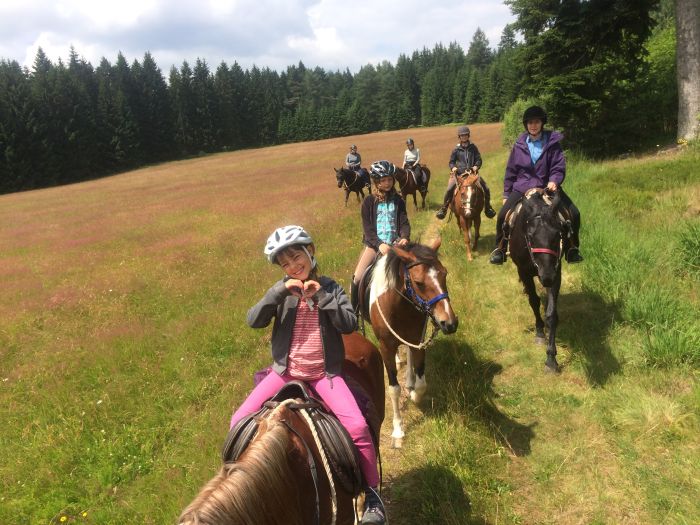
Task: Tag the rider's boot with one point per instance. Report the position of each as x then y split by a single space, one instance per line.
440 214
374 513
498 256
488 210
572 254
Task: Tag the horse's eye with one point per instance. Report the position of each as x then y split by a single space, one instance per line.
420 285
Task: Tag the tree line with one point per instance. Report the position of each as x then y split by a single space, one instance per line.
598 67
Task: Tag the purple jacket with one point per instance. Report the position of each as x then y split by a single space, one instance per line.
521 175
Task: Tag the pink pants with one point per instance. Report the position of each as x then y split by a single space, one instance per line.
337 396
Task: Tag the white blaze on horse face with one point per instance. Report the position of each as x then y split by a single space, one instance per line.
433 274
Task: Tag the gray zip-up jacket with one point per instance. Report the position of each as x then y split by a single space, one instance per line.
335 316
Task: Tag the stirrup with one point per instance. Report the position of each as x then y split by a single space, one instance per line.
498 256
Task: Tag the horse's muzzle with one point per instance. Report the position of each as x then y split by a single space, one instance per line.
449 327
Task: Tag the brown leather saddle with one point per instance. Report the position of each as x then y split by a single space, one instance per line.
335 440
363 288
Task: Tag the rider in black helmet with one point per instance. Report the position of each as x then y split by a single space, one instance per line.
465 157
536 161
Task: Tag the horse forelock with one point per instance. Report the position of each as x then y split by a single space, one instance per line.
422 253
258 484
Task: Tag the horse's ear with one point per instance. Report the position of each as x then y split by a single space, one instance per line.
404 255
435 244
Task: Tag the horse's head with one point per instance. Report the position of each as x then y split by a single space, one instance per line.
339 176
543 229
426 281
265 481
469 194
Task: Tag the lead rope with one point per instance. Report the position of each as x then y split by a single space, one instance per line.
326 466
422 345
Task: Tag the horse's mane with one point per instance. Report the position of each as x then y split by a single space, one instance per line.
422 253
536 205
252 491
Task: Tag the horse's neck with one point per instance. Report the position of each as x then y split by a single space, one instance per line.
381 284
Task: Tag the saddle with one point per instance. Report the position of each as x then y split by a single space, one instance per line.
512 214
335 440
363 289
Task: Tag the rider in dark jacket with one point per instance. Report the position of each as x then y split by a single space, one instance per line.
465 156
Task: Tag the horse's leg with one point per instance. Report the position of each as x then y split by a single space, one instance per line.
477 227
415 368
415 202
534 299
467 237
552 318
347 196
357 194
389 356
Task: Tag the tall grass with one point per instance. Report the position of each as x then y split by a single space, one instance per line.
644 255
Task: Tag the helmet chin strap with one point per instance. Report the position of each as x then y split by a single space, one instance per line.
311 257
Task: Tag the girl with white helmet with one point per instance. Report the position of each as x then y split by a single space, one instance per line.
411 161
310 313
384 221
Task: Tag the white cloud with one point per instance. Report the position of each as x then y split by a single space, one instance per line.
333 34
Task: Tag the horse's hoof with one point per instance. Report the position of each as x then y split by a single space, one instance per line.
540 340
552 368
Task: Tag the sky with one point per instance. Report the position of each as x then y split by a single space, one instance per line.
331 34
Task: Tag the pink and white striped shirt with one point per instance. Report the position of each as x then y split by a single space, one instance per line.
305 360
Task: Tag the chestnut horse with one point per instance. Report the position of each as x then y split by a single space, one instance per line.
281 478
407 184
351 180
535 247
467 205
408 289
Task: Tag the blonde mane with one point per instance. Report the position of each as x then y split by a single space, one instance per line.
252 491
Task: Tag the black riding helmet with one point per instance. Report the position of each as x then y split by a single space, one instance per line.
534 112
409 141
382 168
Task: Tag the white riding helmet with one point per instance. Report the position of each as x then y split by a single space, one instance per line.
285 237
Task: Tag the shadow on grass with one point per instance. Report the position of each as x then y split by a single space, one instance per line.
442 498
460 383
585 320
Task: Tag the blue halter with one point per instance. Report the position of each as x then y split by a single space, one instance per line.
424 306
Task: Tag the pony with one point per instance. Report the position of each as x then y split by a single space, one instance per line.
467 204
535 247
281 477
407 184
352 180
408 288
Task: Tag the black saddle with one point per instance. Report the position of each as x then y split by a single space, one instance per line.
335 440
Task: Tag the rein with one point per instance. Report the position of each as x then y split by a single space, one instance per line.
345 182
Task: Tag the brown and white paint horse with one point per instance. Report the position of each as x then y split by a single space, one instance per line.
408 289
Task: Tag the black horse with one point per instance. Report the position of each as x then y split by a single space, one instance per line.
352 180
535 247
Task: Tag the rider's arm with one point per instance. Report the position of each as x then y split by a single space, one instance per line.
511 174
417 157
453 159
260 315
557 164
369 226
477 157
402 218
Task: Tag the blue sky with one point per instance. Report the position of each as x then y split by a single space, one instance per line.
332 34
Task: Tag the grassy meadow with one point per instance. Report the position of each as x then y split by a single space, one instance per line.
124 348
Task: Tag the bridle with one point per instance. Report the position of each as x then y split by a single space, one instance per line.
532 250
420 304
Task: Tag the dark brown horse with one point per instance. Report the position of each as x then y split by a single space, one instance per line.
467 205
407 184
408 289
535 247
352 181
272 482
